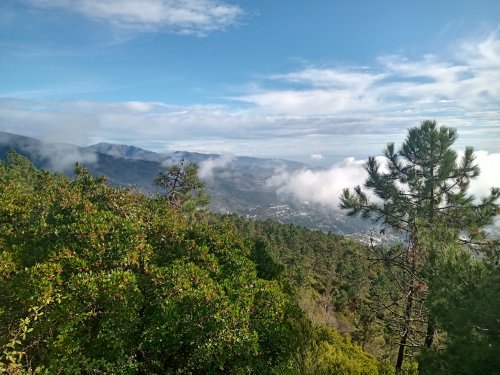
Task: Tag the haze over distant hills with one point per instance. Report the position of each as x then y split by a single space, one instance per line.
235 184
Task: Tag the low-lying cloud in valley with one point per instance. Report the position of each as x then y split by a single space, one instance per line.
319 186
208 167
324 186
490 174
63 157
58 157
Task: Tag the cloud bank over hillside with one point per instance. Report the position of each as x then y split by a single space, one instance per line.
320 186
208 167
490 174
324 187
60 157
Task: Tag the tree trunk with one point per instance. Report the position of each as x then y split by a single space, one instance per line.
406 327
429 335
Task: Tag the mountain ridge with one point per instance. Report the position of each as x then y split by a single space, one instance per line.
237 184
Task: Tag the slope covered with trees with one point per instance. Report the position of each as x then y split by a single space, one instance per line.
95 279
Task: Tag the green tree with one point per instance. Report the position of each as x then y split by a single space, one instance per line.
463 298
95 279
421 186
184 189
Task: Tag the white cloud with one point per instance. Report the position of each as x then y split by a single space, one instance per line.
320 186
332 78
59 157
190 17
317 157
333 111
483 54
62 158
466 80
489 163
163 127
311 102
324 187
208 167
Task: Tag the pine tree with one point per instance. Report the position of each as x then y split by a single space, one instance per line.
184 189
419 187
463 299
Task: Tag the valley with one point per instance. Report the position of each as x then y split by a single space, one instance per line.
236 185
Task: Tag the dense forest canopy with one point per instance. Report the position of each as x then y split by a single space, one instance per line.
98 279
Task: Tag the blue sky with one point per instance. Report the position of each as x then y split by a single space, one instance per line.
316 81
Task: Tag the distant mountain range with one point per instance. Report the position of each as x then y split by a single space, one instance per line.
236 185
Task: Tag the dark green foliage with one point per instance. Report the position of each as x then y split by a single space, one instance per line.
267 267
464 300
423 180
183 187
421 187
326 273
124 284
95 279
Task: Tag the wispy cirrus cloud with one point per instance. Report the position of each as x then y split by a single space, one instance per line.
332 78
467 79
188 17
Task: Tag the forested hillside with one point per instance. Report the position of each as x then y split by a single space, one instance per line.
98 279
235 184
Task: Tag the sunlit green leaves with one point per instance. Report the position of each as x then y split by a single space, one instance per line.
138 286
